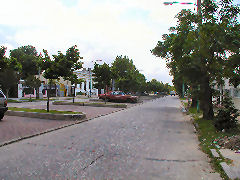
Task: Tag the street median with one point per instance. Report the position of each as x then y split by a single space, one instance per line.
90 104
49 116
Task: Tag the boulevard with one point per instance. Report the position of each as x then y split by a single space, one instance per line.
153 140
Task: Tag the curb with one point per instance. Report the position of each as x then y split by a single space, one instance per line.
46 115
89 104
231 171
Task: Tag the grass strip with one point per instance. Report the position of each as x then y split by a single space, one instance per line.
207 133
13 101
100 104
42 111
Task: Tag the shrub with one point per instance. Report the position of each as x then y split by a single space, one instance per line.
80 93
227 114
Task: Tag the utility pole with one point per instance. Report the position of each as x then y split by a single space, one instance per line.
200 22
199 6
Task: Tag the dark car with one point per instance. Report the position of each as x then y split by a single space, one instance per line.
3 104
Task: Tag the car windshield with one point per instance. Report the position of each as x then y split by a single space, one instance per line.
121 93
118 93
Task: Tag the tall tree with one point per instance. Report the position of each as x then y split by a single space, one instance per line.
61 66
126 75
8 72
199 46
28 57
102 76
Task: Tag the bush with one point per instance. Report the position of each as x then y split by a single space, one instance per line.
226 118
79 93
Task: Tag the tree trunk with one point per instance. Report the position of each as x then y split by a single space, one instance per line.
194 102
7 93
194 96
206 98
37 93
48 95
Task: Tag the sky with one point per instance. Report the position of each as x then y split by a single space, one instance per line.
101 29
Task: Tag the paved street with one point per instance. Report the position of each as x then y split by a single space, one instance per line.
148 141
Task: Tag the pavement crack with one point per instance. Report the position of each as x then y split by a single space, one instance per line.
170 160
93 161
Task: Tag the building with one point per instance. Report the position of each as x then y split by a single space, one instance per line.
86 87
59 88
233 92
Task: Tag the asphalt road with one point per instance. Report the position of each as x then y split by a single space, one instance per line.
149 141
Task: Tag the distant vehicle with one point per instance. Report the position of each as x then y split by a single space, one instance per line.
3 104
172 93
118 96
163 93
141 94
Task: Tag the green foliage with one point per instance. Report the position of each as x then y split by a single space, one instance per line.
156 86
8 80
3 59
126 75
203 48
80 93
61 65
207 134
102 75
32 82
42 111
8 74
28 57
227 115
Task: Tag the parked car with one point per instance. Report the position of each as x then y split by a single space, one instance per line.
3 104
118 96
142 94
172 93
163 93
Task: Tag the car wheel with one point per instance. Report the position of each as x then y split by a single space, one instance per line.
1 116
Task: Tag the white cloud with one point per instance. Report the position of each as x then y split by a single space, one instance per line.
101 30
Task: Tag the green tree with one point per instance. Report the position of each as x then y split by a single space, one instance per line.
33 82
102 76
50 72
198 48
156 86
61 66
28 57
126 75
8 72
74 80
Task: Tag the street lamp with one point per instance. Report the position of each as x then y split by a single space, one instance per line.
175 2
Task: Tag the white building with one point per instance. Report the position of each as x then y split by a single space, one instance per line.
233 92
86 87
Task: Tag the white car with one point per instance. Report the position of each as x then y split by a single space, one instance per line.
172 93
3 104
